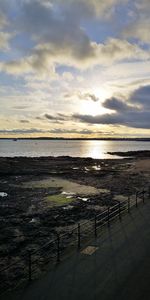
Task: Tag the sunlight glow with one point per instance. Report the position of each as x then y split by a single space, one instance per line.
89 107
92 108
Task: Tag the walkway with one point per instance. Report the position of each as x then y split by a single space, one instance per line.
119 269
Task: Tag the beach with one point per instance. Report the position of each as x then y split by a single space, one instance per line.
41 197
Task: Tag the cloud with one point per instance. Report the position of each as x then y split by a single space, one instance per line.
29 64
88 96
132 119
45 56
75 131
24 121
21 131
20 107
140 27
58 37
143 5
4 36
67 76
139 30
90 8
117 50
70 131
141 96
118 105
127 113
3 21
99 119
39 118
4 40
52 131
59 33
58 117
83 96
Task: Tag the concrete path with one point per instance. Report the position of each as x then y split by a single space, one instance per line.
119 269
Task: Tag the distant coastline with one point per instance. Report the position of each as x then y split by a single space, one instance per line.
77 139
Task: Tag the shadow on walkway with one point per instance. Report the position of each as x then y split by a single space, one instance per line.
119 269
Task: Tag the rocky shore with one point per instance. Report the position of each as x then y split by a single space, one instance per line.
144 153
40 197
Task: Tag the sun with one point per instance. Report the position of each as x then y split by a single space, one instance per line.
89 107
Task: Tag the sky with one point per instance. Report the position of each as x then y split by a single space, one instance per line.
75 68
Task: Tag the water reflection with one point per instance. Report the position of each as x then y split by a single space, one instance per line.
97 149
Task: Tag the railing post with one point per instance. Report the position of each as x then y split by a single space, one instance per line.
79 244
143 196
136 199
58 247
119 210
149 191
128 204
108 216
29 266
95 225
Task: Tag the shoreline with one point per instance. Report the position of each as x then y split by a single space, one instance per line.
119 154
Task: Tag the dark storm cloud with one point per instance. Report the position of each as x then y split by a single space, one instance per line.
126 113
99 119
134 120
117 105
141 96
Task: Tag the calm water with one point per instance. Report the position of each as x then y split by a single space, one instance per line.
94 149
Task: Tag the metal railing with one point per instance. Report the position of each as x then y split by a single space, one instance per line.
31 265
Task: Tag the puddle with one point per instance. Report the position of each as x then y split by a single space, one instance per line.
89 250
83 199
56 200
86 169
2 194
67 193
67 187
68 207
96 168
67 190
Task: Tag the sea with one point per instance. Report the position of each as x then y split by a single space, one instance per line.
76 148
